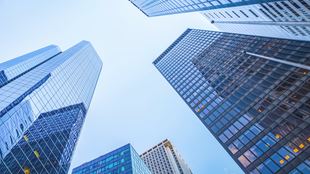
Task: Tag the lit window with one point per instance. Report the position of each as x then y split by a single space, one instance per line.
36 153
26 170
301 146
278 136
295 150
281 161
26 138
287 157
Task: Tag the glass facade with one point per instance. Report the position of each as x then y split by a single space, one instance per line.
44 98
165 7
252 93
287 19
124 160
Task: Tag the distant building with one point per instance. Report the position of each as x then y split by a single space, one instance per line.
289 19
44 98
124 160
252 93
163 159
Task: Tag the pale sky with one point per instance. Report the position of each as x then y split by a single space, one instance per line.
132 103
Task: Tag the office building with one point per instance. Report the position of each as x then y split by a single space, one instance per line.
160 7
124 160
164 159
289 19
252 93
44 98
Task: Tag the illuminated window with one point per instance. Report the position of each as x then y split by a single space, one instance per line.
278 136
295 150
26 138
36 153
26 170
281 161
301 146
287 157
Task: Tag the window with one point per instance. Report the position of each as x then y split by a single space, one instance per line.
21 127
253 13
245 162
236 14
244 14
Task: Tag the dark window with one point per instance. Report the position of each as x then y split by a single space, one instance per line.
244 14
21 127
253 13
236 14
228 14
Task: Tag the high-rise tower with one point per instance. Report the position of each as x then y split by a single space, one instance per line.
164 159
44 98
252 93
288 19
124 160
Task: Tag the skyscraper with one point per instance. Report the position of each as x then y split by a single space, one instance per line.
124 160
44 98
160 7
164 159
252 93
289 19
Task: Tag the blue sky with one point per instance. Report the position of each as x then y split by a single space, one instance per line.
133 103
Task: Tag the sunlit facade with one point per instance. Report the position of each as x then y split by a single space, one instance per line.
252 93
44 98
124 160
164 159
165 7
288 19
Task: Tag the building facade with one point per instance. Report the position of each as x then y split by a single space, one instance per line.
252 93
164 159
124 160
44 98
289 19
166 7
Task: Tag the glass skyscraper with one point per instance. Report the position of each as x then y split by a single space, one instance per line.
124 160
44 98
164 159
165 7
288 19
252 93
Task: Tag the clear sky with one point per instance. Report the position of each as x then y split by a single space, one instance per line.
132 103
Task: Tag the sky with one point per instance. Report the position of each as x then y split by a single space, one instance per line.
132 103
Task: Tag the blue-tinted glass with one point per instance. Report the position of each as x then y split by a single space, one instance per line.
238 106
45 96
122 160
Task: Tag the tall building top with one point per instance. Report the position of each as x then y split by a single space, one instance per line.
122 160
165 7
45 96
163 158
288 19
